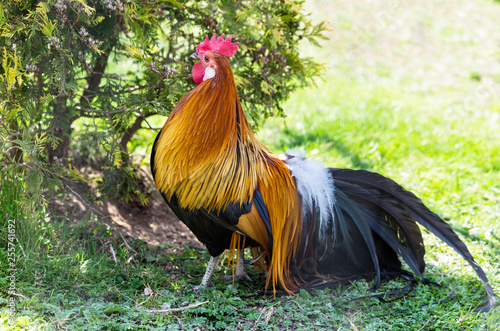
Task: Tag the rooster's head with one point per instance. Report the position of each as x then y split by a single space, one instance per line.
207 52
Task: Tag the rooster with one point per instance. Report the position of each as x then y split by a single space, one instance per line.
308 221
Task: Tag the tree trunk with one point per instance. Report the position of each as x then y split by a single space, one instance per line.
61 128
61 125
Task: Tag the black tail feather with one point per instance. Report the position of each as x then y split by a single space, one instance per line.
392 212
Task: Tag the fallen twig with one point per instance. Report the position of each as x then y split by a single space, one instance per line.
19 295
113 252
169 310
351 324
126 244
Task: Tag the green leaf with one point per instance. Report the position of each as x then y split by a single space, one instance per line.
266 88
9 64
87 9
176 3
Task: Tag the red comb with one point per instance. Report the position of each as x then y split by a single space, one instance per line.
219 46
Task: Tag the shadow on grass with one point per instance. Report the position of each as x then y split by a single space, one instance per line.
294 139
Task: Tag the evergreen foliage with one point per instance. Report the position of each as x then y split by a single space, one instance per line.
117 63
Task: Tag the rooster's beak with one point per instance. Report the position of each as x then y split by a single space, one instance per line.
195 56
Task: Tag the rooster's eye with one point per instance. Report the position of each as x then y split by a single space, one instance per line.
206 58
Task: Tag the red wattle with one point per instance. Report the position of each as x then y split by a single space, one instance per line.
198 73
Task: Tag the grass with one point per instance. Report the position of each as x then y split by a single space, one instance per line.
407 95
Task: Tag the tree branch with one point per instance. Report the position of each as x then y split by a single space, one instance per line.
131 130
94 80
103 112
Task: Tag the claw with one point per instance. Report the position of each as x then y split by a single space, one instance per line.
239 275
240 272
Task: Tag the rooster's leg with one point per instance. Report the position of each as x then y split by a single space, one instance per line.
212 264
240 272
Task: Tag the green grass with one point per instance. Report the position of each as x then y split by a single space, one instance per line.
74 283
424 112
77 285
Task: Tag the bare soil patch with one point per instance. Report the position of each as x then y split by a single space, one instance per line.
154 223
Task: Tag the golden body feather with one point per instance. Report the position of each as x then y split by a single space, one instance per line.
208 157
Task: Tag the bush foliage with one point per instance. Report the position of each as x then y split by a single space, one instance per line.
117 63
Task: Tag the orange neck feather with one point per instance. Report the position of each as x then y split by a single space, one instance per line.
206 153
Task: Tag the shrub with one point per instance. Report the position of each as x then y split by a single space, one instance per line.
79 78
